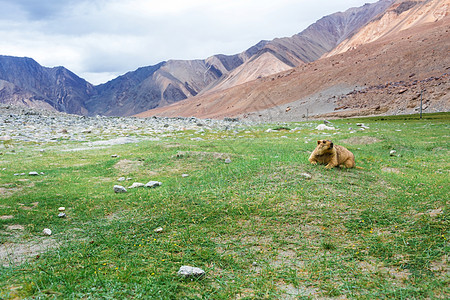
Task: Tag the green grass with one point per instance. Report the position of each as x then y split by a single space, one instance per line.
258 228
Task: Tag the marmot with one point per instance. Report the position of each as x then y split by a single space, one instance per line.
332 155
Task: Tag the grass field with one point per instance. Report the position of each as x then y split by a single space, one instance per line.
257 227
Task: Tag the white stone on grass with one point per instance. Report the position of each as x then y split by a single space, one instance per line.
33 174
188 271
136 185
306 175
324 127
152 184
119 189
47 231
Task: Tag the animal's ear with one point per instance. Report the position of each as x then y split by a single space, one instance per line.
331 145
318 142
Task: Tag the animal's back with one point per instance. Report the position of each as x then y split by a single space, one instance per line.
345 157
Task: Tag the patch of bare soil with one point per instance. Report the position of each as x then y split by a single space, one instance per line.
361 140
432 213
7 192
33 205
396 274
129 166
291 292
441 265
391 170
203 155
17 253
15 227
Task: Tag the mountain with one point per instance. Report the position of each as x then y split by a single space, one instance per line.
25 82
330 65
385 74
175 80
282 54
400 16
28 83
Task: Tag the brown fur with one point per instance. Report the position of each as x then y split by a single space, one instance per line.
332 155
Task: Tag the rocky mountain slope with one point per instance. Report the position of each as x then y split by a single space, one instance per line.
173 81
400 16
320 38
382 75
24 82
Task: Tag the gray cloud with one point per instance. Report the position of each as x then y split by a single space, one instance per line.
101 39
39 10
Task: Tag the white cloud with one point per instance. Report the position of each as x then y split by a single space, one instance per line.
101 39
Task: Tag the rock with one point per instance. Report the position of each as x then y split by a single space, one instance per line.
392 153
136 185
33 174
188 271
114 155
362 125
228 161
119 189
47 231
61 215
159 229
184 175
62 208
5 138
325 127
152 184
121 179
306 175
15 227
435 212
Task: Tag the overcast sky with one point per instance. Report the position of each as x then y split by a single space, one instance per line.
101 39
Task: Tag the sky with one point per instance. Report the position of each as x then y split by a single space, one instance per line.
101 39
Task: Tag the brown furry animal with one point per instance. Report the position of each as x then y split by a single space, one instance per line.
332 155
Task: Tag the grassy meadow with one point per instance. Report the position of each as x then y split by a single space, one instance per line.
258 228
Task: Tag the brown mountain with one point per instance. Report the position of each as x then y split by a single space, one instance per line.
24 82
320 38
28 83
381 68
176 80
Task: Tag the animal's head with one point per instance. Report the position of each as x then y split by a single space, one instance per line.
324 146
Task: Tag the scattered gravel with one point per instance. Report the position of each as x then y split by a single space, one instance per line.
27 125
